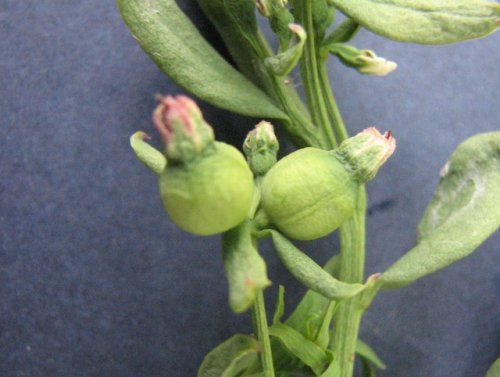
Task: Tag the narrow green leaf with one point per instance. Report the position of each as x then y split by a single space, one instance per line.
313 304
322 335
494 370
367 353
236 23
245 269
283 63
149 156
230 358
280 305
464 212
305 350
366 368
330 371
323 15
424 21
309 273
174 44
342 33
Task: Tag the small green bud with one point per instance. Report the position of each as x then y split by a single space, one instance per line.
364 61
311 192
279 19
283 63
366 152
261 148
267 7
375 65
182 128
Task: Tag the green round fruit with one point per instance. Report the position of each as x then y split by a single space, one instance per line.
210 194
308 194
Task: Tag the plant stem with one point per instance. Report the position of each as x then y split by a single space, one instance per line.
310 75
260 325
331 105
300 128
350 311
352 253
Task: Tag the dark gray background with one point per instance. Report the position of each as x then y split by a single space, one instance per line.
95 280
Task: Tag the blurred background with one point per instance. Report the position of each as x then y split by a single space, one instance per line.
96 281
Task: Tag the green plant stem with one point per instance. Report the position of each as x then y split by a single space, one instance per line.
331 105
310 75
352 252
348 318
260 325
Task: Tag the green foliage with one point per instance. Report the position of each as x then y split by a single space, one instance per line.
230 358
464 211
309 273
343 33
313 315
284 62
245 269
149 156
299 346
313 191
174 44
424 21
368 354
494 371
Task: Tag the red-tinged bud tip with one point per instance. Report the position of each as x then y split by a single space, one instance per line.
180 124
367 151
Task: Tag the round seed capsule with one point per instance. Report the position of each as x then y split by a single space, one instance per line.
210 194
308 194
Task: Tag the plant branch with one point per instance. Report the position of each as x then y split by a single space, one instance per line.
260 326
348 318
310 75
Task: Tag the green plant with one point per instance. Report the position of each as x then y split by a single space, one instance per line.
317 189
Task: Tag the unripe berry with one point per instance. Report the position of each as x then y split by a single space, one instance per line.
311 192
206 186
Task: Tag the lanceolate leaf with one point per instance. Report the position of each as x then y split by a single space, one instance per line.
174 44
305 350
313 308
309 272
494 371
366 369
464 211
424 21
230 358
367 353
245 269
149 156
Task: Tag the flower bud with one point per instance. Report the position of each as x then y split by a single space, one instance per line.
375 65
267 7
261 148
366 152
365 61
311 192
182 128
279 19
207 186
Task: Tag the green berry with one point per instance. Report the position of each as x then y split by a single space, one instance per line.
210 194
308 194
